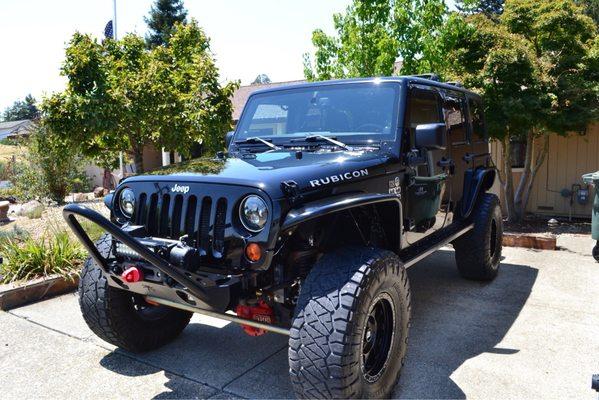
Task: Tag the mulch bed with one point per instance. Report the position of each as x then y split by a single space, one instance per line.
538 225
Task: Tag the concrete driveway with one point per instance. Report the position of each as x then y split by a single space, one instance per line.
532 333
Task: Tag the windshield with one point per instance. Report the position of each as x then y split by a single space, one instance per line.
352 112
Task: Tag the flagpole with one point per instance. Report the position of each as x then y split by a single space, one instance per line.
121 166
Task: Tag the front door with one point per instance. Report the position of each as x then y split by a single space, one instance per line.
427 174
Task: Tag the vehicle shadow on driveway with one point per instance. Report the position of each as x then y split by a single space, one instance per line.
453 320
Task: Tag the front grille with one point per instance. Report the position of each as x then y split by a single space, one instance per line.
173 216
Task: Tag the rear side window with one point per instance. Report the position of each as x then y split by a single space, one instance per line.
455 119
478 121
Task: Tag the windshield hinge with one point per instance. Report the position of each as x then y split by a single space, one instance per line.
291 190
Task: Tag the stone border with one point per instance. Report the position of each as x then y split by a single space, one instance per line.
530 241
17 294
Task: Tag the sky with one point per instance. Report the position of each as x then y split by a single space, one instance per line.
248 37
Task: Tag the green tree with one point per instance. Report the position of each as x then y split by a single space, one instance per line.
50 168
591 8
21 109
164 15
491 8
261 79
373 34
537 68
121 96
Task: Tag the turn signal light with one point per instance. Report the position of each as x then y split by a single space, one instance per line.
253 252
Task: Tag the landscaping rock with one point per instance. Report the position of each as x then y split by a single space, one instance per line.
29 207
79 197
100 192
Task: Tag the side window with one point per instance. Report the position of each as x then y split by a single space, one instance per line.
478 122
455 119
423 108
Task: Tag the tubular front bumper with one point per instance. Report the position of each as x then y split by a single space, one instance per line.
72 211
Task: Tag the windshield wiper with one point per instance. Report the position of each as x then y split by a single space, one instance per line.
316 138
256 139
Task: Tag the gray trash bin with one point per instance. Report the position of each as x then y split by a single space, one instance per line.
593 178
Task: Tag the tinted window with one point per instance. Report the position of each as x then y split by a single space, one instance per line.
453 110
340 110
423 108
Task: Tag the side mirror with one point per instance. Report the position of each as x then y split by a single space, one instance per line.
228 138
431 136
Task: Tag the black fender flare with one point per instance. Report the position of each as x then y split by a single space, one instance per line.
330 205
476 181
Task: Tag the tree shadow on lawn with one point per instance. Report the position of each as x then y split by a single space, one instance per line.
453 320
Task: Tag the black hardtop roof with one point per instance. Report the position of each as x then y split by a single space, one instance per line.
399 79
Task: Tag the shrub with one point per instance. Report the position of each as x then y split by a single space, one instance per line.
49 170
28 259
16 234
35 213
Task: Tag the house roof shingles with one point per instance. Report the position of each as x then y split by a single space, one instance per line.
14 128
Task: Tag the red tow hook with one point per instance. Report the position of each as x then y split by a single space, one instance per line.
132 275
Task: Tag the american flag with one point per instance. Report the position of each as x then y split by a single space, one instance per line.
108 31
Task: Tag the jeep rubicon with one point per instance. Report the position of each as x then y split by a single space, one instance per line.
304 227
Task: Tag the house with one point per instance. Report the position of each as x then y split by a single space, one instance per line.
15 129
558 183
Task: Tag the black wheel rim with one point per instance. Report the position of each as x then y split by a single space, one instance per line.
493 246
377 339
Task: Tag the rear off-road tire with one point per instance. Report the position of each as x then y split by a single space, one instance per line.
350 329
123 318
478 252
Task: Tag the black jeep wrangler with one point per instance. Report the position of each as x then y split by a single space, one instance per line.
305 227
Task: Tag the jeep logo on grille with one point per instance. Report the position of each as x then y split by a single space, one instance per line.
180 189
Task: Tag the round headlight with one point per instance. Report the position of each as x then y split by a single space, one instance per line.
253 213
127 202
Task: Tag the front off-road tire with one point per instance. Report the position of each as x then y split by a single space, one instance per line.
123 318
350 329
478 252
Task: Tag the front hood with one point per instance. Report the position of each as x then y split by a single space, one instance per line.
266 171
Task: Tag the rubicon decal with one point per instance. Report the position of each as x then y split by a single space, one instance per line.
180 189
346 176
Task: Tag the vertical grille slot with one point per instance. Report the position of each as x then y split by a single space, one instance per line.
190 215
140 213
151 218
163 224
219 226
204 225
176 221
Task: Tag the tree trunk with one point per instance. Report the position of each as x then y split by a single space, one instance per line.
540 159
107 179
138 159
532 162
508 185
525 177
